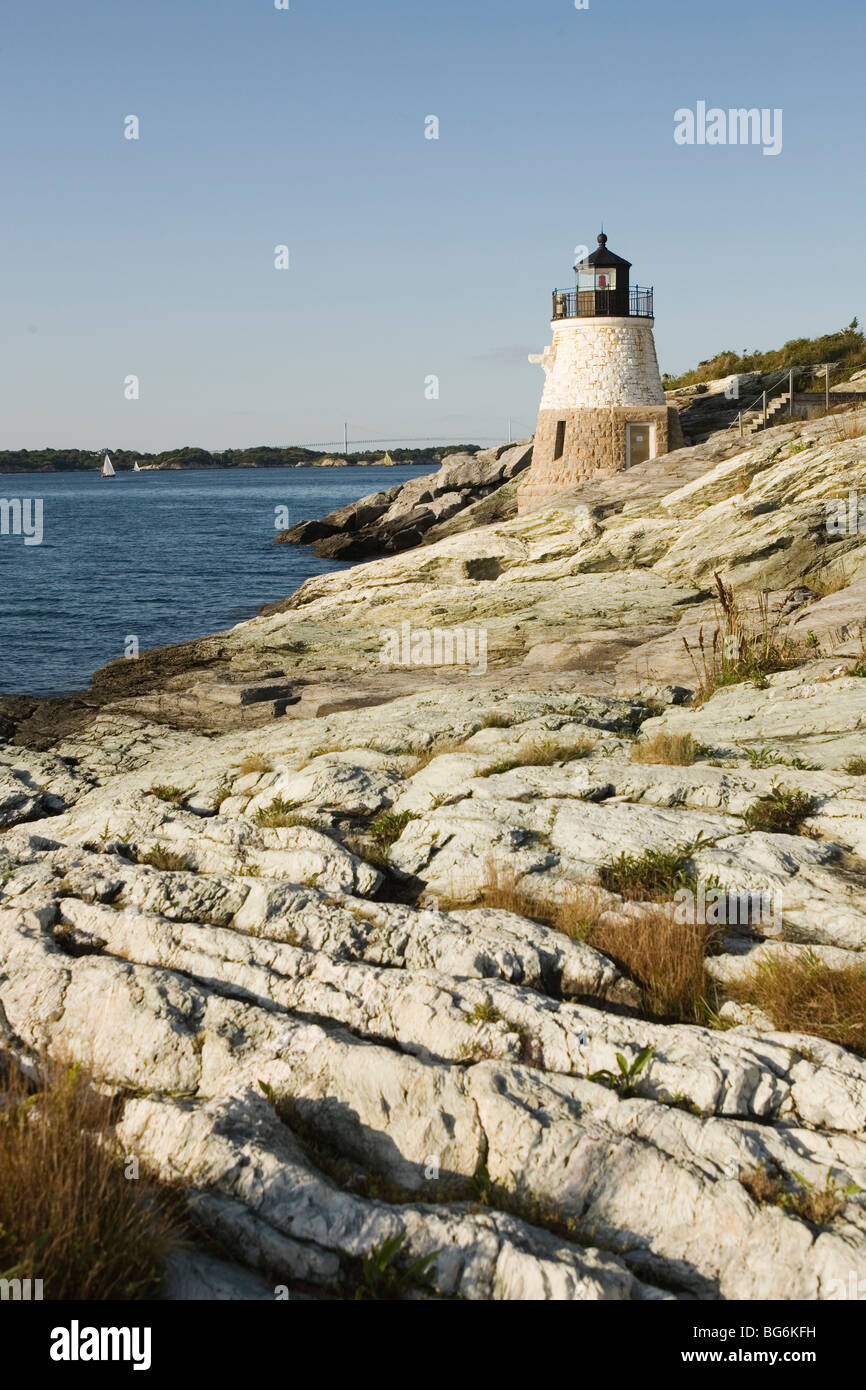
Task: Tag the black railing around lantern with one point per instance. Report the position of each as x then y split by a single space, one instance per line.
589 304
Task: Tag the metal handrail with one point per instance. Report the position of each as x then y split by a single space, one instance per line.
576 304
787 374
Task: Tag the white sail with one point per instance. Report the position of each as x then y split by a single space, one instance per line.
107 468
135 467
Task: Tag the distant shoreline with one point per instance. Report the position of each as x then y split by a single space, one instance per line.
30 461
219 467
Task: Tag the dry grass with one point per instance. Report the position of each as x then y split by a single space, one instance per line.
68 1215
255 763
856 767
743 646
831 581
420 757
678 750
664 957
803 995
847 423
763 1186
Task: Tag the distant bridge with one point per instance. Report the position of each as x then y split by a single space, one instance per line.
350 445
347 445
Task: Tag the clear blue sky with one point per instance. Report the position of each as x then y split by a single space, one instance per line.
409 256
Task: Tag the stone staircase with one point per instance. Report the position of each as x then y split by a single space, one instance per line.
754 420
780 407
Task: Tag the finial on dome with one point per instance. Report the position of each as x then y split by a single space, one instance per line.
602 239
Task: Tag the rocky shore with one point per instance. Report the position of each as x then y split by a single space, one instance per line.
420 510
382 954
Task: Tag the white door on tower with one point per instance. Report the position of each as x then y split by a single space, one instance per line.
639 444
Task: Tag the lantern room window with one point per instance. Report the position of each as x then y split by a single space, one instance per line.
596 279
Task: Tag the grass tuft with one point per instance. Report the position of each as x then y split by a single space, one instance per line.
743 646
280 814
177 795
161 858
254 762
803 995
543 750
664 956
677 750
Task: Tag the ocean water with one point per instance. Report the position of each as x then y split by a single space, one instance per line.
163 556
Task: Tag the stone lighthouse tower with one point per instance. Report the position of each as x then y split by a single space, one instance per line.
603 408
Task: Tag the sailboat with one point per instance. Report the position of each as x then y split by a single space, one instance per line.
135 467
107 470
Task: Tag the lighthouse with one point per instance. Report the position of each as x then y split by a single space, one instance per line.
603 408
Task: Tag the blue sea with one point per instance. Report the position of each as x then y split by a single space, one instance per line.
162 557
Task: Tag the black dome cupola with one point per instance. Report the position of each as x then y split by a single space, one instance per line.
603 281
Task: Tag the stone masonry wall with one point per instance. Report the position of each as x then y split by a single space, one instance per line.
601 362
595 445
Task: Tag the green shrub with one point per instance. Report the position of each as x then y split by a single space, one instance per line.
655 874
782 811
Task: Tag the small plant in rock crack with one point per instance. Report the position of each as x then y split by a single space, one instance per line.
819 1205
161 858
744 646
651 875
387 828
279 815
782 811
811 1202
770 757
624 1080
268 1092
481 1184
222 790
382 1276
177 795
856 767
485 1013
